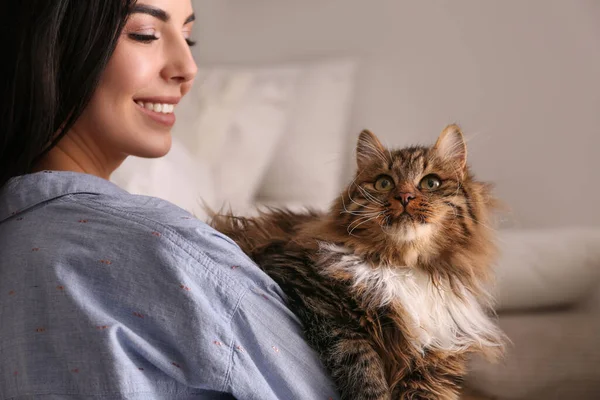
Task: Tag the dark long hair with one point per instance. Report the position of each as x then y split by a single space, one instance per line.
53 56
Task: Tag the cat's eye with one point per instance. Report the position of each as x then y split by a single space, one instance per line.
430 182
384 184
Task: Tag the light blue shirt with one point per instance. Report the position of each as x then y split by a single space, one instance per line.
108 295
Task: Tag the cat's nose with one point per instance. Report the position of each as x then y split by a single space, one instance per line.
404 198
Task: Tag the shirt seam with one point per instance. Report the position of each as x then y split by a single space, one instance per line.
35 205
228 373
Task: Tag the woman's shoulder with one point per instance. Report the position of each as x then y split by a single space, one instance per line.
168 220
165 231
78 216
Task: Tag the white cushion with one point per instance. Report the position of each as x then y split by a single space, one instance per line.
176 177
307 166
233 120
547 267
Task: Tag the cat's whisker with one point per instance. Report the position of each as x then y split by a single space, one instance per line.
369 196
344 205
365 193
354 201
359 213
355 212
373 215
370 219
358 204
365 216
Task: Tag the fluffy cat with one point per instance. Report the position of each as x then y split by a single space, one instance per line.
390 282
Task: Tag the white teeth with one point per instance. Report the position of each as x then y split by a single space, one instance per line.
158 107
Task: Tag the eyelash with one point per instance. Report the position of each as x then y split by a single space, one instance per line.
151 38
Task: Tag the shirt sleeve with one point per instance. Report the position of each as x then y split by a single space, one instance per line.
271 359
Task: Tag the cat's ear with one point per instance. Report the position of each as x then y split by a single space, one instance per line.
451 146
368 149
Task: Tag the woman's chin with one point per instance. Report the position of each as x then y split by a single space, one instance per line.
160 147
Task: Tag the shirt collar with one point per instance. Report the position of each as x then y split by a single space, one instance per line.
23 192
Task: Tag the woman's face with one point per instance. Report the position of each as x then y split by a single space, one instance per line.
131 112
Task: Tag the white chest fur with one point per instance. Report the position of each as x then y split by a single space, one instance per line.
437 317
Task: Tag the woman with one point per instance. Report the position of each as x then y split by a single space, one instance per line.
104 294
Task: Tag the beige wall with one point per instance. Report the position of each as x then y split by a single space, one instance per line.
521 76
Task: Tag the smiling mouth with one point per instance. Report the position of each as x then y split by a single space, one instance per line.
161 113
160 108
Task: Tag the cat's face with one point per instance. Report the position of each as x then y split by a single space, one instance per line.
414 192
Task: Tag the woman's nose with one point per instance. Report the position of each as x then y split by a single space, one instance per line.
181 66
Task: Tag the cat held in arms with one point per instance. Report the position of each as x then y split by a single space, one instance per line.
391 283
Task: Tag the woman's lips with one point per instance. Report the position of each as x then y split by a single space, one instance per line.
163 115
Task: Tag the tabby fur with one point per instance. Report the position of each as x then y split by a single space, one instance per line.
390 283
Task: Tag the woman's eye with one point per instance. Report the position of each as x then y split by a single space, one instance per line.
430 182
151 38
143 38
384 184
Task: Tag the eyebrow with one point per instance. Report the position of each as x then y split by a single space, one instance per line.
158 13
